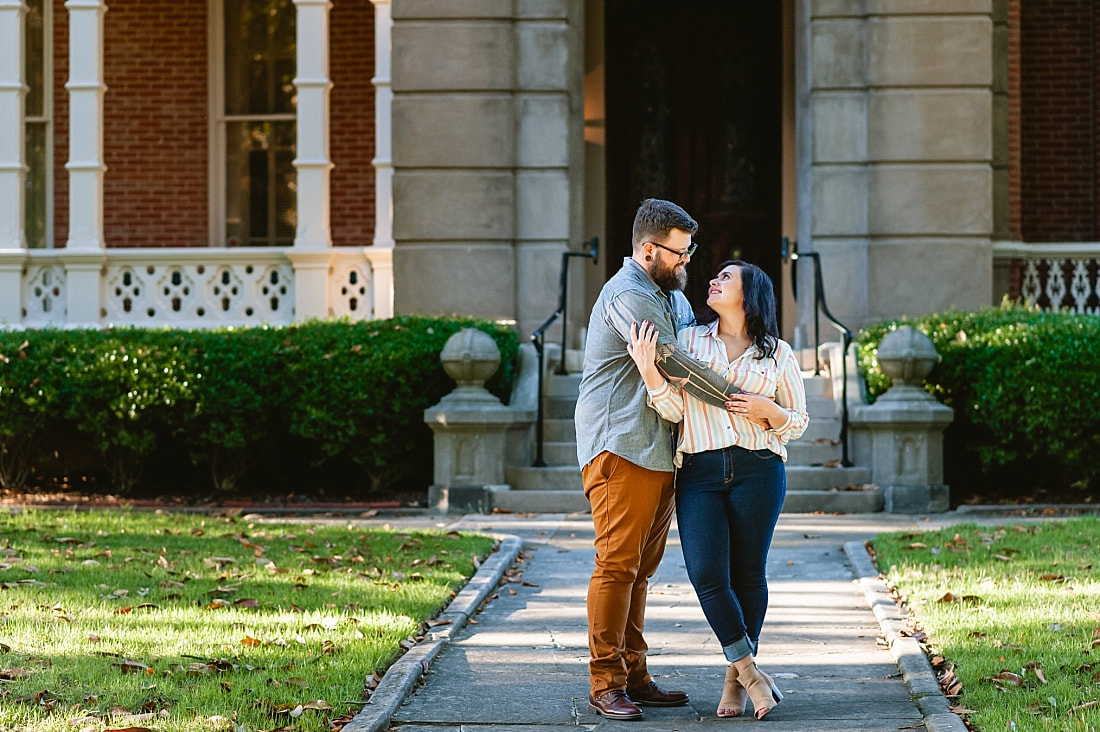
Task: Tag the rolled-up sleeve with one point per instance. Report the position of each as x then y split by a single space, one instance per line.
790 393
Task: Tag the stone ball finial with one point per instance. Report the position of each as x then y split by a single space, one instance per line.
470 357
907 356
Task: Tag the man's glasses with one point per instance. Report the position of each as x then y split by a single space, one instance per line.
680 255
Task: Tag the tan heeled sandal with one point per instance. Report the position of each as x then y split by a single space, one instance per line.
763 693
733 695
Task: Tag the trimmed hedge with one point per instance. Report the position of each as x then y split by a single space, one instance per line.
286 409
1024 385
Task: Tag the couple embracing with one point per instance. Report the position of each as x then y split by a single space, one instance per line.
689 415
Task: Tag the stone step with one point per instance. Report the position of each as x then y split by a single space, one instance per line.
573 501
817 386
559 430
813 452
539 501
559 407
552 477
559 453
862 501
812 478
821 407
822 428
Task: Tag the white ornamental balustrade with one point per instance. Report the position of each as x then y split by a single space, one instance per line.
193 288
1054 276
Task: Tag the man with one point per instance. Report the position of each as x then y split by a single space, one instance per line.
625 451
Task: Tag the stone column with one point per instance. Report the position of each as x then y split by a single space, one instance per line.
901 435
454 158
13 90
13 169
471 427
896 182
84 254
486 149
311 255
380 253
549 150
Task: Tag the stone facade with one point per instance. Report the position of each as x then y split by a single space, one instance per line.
895 154
487 157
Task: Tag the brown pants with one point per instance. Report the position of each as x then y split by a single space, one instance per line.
631 510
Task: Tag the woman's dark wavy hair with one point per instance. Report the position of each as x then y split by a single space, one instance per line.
758 299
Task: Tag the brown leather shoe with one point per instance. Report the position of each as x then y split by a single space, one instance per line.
655 696
614 705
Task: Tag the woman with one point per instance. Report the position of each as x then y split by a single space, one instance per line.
731 480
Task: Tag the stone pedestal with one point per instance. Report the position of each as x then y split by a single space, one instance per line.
471 427
901 435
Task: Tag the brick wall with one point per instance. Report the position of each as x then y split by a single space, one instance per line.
351 141
1059 79
155 124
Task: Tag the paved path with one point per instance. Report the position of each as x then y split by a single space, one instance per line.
521 663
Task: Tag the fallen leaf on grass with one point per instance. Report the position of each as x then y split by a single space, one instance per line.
1084 705
1036 668
1008 677
916 545
133 667
251 642
968 599
958 709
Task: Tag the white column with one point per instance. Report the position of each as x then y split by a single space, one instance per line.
84 254
13 253
380 253
13 91
313 240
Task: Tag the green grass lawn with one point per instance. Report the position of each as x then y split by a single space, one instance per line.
1014 611
119 619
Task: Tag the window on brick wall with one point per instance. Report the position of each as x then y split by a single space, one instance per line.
38 153
258 122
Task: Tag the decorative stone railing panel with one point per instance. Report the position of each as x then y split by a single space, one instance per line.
1052 276
189 288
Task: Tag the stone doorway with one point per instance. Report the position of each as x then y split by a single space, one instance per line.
694 114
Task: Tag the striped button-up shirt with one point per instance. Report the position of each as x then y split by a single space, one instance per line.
706 427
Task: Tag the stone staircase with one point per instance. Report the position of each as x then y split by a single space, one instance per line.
816 482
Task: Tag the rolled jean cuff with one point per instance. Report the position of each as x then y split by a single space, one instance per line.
738 649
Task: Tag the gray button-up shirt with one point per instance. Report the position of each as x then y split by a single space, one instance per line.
612 412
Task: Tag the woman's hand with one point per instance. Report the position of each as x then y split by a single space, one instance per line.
643 349
755 408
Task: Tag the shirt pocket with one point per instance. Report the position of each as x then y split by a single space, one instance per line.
764 377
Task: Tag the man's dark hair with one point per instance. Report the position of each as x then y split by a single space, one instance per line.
656 218
758 302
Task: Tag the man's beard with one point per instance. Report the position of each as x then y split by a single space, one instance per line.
668 278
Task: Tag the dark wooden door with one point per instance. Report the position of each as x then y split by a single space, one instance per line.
693 115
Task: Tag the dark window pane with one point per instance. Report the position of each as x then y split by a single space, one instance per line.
261 193
260 56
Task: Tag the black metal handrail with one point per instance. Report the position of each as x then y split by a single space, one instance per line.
821 308
539 336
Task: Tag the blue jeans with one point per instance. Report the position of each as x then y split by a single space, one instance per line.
727 504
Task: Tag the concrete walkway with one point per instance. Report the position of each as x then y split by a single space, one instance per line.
521 663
